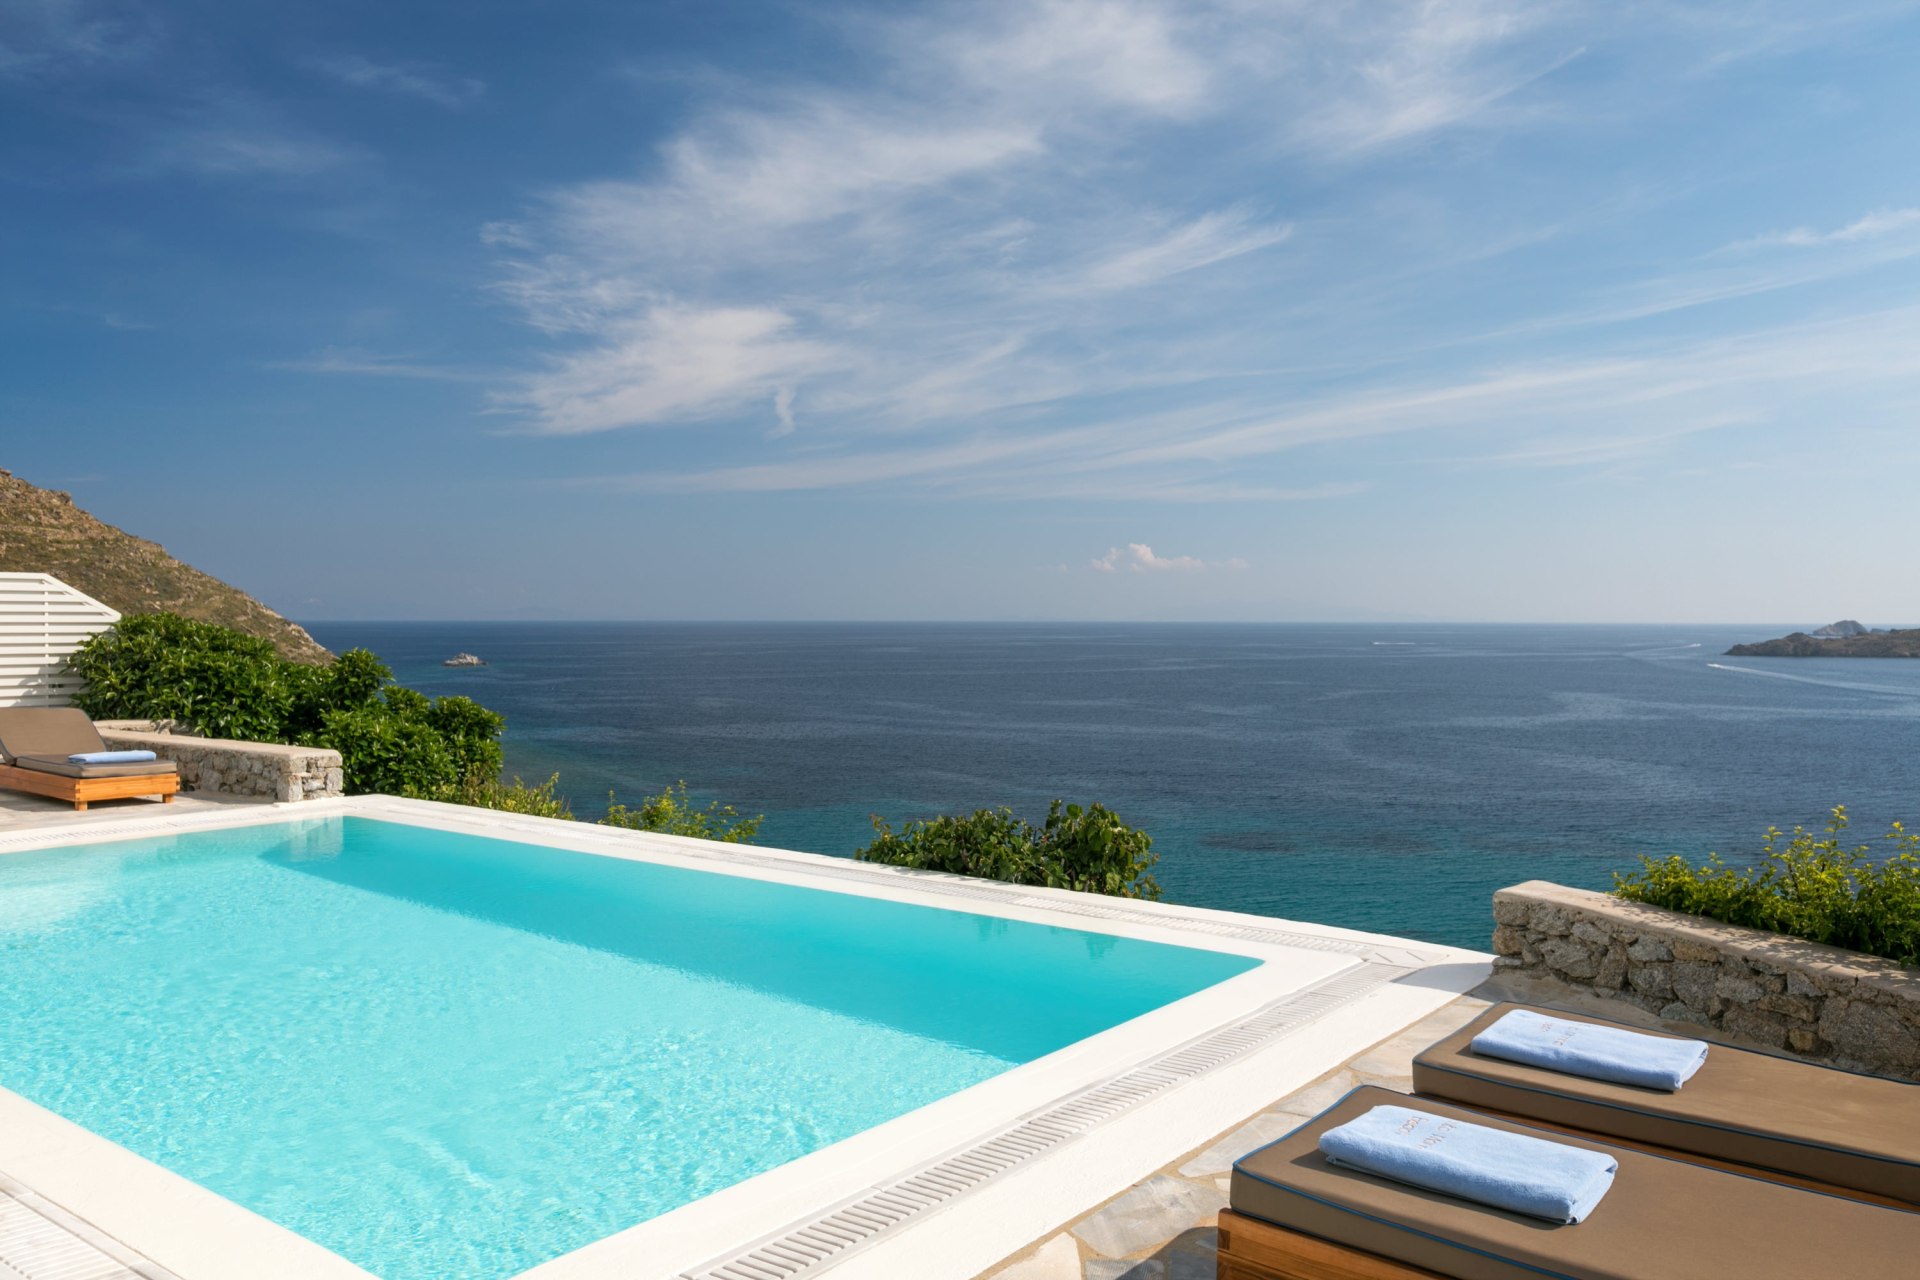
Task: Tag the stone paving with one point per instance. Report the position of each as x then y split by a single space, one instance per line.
1163 1227
20 811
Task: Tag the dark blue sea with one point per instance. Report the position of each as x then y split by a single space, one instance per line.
1377 777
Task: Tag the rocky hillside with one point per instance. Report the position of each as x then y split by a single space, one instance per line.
1866 644
41 531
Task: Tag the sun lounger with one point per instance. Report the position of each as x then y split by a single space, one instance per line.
1794 1120
36 741
1295 1214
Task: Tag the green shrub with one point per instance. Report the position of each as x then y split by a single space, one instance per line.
385 751
1089 849
160 666
672 813
514 797
225 684
1810 888
351 680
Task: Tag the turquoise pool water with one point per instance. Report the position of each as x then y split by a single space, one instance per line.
452 1058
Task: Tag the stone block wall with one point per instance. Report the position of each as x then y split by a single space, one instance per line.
264 769
1851 1010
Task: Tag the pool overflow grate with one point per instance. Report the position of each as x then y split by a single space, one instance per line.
859 1222
41 1241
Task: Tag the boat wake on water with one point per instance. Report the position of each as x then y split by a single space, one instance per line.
1895 690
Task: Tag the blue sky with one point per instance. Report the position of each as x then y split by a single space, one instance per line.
1055 309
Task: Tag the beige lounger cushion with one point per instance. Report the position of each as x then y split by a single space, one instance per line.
1662 1220
1847 1130
65 768
47 731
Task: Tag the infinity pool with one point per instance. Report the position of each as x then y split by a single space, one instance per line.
443 1055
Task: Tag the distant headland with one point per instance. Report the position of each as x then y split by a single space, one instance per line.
1844 639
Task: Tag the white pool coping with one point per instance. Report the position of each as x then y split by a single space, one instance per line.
945 1190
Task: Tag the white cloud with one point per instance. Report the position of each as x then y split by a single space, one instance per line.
672 363
1140 558
962 225
1210 238
1881 222
975 260
1115 54
1550 412
429 84
353 361
1391 72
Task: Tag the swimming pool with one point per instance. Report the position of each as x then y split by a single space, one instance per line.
440 1054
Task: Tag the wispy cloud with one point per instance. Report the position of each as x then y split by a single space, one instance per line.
47 38
1405 70
1140 558
1873 226
982 266
675 363
355 362
219 150
411 80
221 132
1201 242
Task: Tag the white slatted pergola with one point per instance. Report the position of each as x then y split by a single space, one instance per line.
42 620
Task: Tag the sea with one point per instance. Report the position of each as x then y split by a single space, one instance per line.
1386 778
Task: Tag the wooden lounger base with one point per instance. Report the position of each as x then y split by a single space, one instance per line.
1693 1157
1254 1250
80 792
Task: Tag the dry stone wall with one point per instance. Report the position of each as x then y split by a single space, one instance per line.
1853 1011
264 769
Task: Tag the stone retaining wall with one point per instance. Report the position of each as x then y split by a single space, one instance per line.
1854 1011
263 769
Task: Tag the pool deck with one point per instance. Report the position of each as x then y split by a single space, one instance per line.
1125 1139
20 812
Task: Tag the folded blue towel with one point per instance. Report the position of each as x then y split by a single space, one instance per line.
1490 1166
111 757
1600 1053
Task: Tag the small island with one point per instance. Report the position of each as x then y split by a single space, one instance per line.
1845 639
464 660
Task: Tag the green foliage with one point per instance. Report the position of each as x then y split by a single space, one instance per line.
219 682
514 797
160 666
1088 849
352 680
388 752
1810 888
472 734
672 813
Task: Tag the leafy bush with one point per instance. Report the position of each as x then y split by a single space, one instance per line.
1810 888
1088 849
672 813
514 797
160 666
225 684
387 752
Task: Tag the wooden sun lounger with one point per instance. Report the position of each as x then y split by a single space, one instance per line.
1294 1216
1757 1113
36 741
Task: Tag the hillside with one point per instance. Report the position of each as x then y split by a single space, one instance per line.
41 531
1870 644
